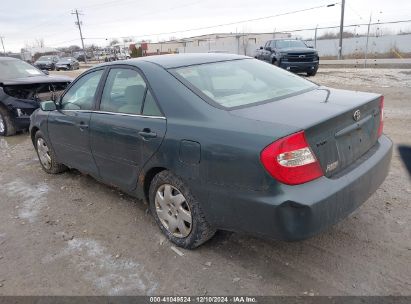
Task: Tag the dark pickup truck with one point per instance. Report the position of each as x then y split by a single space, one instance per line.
292 55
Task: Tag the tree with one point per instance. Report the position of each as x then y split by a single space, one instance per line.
39 42
114 41
136 52
74 48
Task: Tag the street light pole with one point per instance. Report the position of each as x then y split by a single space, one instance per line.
341 30
78 23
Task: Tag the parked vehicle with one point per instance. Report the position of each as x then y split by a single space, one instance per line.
46 63
219 141
122 56
22 87
289 54
67 63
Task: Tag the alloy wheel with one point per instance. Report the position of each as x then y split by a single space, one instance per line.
2 125
44 153
173 211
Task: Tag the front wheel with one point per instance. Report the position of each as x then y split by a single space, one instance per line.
177 212
313 72
46 155
7 127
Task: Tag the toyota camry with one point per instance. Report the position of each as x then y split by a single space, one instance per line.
219 141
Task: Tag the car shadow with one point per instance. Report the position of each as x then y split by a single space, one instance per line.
405 154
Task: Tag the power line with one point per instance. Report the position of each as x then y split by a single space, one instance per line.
229 23
242 21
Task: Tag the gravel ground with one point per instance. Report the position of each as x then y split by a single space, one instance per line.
70 235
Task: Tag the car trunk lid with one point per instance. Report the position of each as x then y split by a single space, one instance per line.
336 133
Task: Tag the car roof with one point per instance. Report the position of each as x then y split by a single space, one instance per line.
179 60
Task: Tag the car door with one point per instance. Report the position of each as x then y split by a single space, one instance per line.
68 127
128 128
266 53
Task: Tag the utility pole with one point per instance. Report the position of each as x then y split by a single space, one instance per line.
341 30
78 23
2 43
366 44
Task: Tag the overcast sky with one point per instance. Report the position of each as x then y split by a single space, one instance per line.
22 21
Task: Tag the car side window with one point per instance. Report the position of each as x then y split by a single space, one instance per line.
123 92
81 95
273 44
150 106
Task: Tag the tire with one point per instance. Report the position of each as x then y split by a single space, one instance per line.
199 231
312 73
7 127
53 167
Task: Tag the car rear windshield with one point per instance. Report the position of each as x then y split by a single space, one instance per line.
12 69
243 82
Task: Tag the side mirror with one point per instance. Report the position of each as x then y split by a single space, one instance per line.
261 47
268 48
45 72
48 105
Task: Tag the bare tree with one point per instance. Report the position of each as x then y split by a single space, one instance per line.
39 42
114 42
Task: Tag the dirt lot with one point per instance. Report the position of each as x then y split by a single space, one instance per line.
70 235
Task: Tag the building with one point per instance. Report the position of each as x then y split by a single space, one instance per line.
235 43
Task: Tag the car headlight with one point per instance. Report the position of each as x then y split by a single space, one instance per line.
283 54
20 113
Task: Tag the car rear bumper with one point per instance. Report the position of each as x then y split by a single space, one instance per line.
298 212
299 66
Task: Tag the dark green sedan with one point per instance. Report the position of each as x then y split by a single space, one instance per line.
219 141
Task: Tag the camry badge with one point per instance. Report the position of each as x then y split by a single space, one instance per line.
357 115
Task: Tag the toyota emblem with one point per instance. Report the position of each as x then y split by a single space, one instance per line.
357 115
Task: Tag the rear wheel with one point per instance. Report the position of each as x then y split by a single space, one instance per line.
46 155
177 212
7 127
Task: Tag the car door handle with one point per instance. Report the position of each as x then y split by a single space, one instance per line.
147 134
82 126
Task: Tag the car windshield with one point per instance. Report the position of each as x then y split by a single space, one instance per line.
282 44
11 69
45 58
242 82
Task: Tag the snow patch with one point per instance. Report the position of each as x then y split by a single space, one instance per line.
115 276
33 197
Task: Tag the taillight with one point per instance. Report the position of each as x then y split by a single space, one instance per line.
381 127
290 160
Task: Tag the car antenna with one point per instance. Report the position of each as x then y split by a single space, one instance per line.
328 93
